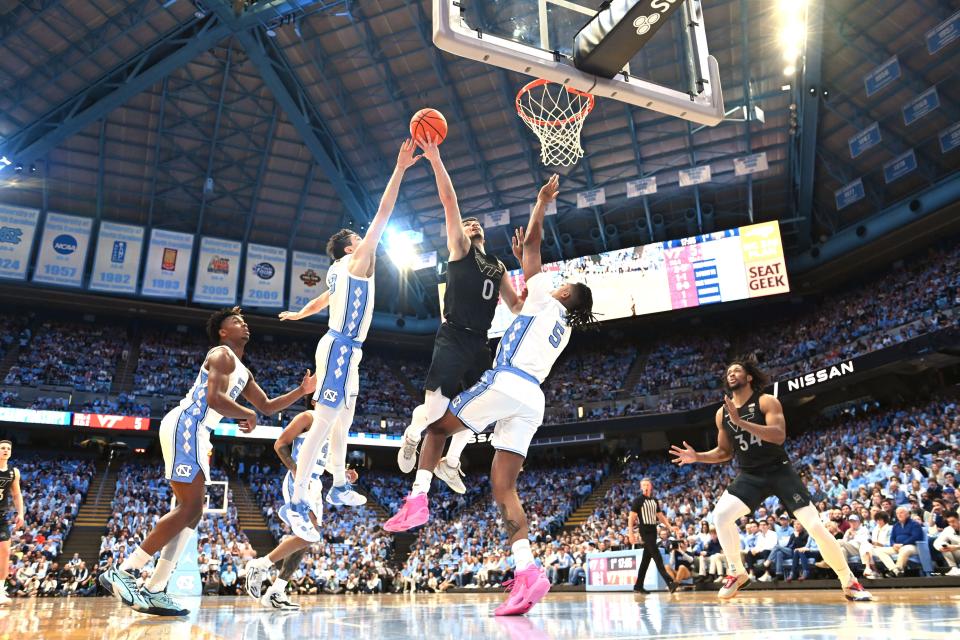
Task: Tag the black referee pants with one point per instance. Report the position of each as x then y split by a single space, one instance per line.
651 551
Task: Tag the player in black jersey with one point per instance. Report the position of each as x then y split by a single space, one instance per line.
460 353
9 487
751 427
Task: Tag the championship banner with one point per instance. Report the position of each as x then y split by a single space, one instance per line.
756 163
17 226
641 187
551 208
263 279
168 263
763 259
694 175
591 198
496 218
425 260
218 268
117 261
63 250
103 421
308 278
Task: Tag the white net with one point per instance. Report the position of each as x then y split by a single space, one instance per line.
555 113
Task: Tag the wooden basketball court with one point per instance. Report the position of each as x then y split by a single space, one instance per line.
901 613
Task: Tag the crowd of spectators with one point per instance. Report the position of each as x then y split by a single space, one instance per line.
52 493
168 362
143 496
58 354
353 555
860 466
467 547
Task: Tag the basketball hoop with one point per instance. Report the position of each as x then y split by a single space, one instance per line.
555 113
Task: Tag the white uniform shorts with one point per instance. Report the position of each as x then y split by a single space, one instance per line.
338 371
514 404
186 446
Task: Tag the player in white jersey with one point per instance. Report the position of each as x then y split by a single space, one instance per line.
350 297
509 395
185 440
292 548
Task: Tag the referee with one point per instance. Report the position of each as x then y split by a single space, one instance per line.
645 511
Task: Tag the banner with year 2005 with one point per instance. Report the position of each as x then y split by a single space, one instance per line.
63 250
218 268
308 276
116 263
168 263
263 278
17 227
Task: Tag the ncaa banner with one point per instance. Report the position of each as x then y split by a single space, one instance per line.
308 278
263 279
117 260
63 250
218 268
168 263
17 226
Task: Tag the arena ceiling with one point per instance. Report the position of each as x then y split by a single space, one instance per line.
181 115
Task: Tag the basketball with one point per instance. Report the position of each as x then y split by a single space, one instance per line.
428 122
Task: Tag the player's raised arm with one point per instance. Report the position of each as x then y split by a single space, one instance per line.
268 406
366 251
316 305
220 364
532 262
457 241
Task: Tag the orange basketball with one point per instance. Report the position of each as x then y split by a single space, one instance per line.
428 122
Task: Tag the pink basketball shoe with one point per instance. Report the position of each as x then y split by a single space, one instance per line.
526 589
413 513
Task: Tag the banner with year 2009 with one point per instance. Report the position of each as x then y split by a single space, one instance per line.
168 263
218 268
17 227
308 278
116 263
263 278
63 250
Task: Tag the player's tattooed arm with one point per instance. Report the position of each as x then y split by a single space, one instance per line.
512 526
285 453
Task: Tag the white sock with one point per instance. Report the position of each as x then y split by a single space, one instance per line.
418 422
339 476
169 556
422 483
135 560
279 586
458 442
262 563
522 554
319 430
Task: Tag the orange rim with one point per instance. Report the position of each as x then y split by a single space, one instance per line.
579 115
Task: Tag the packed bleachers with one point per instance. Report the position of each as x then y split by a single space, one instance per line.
354 553
52 493
58 354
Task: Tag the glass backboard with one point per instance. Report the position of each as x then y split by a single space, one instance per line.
535 37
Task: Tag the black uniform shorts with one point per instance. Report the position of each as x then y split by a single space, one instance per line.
4 526
460 357
781 480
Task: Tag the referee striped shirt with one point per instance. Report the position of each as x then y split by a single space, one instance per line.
647 509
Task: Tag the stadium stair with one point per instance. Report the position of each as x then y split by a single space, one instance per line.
9 359
92 519
580 515
405 379
251 518
123 381
633 376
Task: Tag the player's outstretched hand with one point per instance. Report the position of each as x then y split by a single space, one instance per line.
352 476
431 148
288 315
685 455
549 191
309 383
406 159
732 410
248 423
517 244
